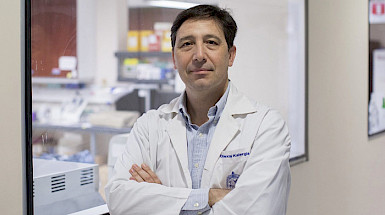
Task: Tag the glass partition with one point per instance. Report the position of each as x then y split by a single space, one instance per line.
376 103
96 66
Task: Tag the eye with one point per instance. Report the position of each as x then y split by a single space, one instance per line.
212 42
186 44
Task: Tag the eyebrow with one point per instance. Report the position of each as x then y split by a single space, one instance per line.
186 38
190 37
212 36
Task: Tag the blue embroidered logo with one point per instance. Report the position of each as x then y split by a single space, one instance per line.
231 180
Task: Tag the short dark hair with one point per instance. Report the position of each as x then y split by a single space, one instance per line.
221 16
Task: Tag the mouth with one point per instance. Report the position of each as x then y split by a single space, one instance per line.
201 70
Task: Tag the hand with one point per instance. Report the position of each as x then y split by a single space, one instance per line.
215 195
143 174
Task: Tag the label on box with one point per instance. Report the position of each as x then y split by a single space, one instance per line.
154 43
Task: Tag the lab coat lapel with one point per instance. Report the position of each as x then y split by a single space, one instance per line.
176 129
227 128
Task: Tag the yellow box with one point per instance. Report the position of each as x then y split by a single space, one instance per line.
144 40
133 41
166 42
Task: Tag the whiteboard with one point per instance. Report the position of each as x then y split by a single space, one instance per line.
270 65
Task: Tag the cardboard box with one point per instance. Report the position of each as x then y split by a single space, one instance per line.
133 41
166 41
144 36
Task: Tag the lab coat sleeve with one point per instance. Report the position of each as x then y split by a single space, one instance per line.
126 196
264 185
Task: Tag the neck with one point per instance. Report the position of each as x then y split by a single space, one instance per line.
198 104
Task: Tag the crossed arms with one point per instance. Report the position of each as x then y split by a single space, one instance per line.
145 174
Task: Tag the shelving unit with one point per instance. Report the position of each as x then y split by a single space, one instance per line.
126 54
144 85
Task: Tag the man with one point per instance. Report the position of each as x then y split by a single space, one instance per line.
210 151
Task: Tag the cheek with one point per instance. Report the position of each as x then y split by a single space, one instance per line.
183 77
222 62
176 65
180 62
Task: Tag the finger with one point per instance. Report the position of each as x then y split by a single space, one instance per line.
136 175
143 174
151 173
132 178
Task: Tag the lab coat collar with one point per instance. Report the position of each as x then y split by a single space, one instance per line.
237 103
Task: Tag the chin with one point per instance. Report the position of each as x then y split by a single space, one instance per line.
203 86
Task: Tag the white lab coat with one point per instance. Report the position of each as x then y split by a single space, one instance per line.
158 139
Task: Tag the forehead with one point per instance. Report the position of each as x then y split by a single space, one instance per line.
200 27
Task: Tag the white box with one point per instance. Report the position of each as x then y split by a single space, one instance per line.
64 187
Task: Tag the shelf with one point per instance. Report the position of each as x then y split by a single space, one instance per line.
49 80
84 127
144 81
125 54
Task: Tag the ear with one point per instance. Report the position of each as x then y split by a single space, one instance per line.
173 58
232 53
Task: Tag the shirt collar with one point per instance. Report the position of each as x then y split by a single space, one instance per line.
215 110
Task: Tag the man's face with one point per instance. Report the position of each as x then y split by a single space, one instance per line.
201 55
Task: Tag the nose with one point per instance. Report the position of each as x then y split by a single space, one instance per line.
199 54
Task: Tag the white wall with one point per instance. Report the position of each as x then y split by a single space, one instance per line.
10 112
346 171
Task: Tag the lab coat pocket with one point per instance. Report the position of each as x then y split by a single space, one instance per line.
230 166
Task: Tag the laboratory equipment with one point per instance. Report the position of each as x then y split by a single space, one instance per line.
61 187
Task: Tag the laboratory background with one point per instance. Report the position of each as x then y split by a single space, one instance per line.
97 65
